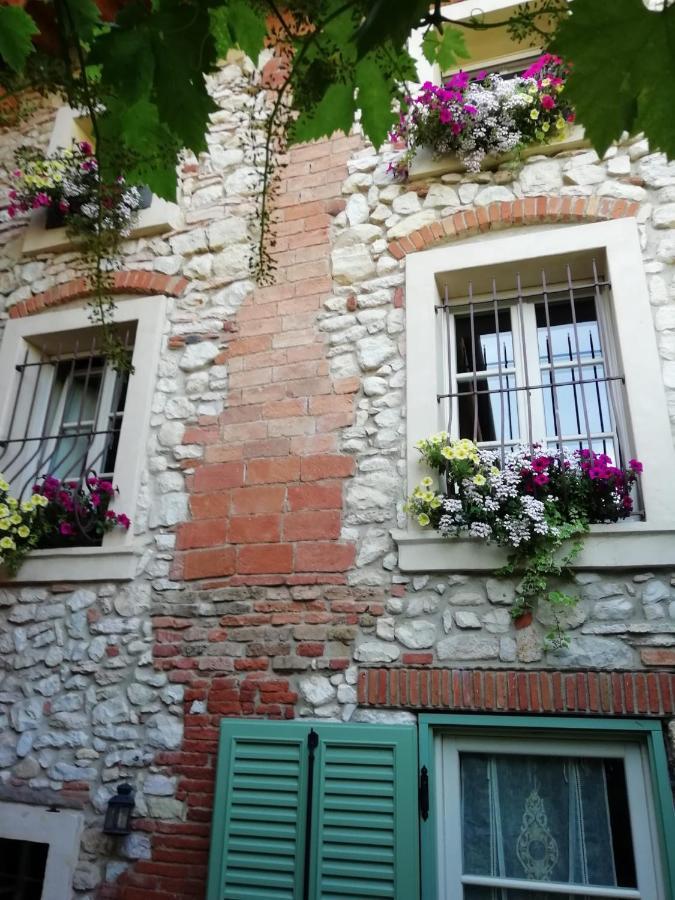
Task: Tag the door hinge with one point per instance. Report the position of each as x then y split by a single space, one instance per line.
424 793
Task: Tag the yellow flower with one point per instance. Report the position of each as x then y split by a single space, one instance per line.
532 89
15 519
423 519
494 470
7 543
546 82
534 113
461 453
427 481
479 479
12 502
23 532
4 510
26 506
560 124
39 500
3 485
545 126
435 503
4 524
427 496
559 88
448 453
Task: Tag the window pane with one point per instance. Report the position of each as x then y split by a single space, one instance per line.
561 346
79 386
486 345
577 402
545 819
472 892
484 410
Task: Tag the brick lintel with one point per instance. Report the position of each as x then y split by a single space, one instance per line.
611 693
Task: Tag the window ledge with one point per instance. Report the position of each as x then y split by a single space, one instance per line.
626 545
424 165
77 564
159 217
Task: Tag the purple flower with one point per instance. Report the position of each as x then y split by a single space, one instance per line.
636 466
124 521
66 529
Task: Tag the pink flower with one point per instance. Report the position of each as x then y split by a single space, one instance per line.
12 195
445 115
11 211
547 101
541 479
86 148
124 521
636 466
64 206
66 529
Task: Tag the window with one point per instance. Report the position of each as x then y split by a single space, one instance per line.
22 869
521 810
65 412
568 357
155 215
532 361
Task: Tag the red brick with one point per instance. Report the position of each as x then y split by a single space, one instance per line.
658 656
333 465
201 534
309 649
324 557
254 529
265 558
217 477
258 499
210 506
273 470
208 563
417 659
309 524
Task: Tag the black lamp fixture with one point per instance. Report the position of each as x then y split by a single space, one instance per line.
118 813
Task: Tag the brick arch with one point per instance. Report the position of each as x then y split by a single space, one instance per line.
127 281
529 211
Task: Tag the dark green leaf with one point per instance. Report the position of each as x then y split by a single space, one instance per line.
446 49
16 30
334 112
127 61
374 99
240 24
82 17
389 20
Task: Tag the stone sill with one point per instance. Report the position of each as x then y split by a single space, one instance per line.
77 564
424 165
159 217
625 545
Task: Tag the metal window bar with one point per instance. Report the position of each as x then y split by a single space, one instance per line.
66 416
597 404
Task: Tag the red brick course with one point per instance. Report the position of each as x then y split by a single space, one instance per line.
518 691
125 282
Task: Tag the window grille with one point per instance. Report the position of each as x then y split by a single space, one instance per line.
532 362
66 413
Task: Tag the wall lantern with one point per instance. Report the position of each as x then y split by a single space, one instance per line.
118 813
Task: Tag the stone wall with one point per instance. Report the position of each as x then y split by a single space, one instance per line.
275 470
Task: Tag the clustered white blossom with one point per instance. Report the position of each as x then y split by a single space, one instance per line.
494 128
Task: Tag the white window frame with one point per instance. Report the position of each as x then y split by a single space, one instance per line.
118 554
644 831
627 544
159 217
61 829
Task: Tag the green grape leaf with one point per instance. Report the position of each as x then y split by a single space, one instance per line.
622 70
16 30
389 19
374 99
446 49
334 112
238 24
83 18
127 61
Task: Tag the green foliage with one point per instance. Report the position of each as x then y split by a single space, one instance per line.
623 70
16 30
239 24
446 49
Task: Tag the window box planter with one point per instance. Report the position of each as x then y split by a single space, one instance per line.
426 165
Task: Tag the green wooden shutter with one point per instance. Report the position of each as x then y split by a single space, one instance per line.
364 830
257 841
366 824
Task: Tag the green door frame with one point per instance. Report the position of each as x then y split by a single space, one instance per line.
648 732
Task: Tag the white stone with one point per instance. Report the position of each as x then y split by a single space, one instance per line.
406 204
655 591
493 194
507 649
595 653
465 646
466 597
169 509
359 234
373 386
80 600
656 171
198 266
500 591
442 196
231 230
352 264
384 717
540 178
497 621
666 250
136 846
664 216
467 619
193 241
159 785
384 628
346 693
232 262
412 223
622 191
585 175
372 352
316 690
198 356
416 634
357 209
26 714
376 651
243 181
111 712
164 731
614 608
619 165
467 192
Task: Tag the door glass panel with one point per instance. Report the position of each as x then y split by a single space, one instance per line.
490 893
546 819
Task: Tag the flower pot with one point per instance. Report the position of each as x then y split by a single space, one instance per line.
55 218
524 619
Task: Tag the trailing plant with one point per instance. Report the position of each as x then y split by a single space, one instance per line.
535 504
475 117
58 514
